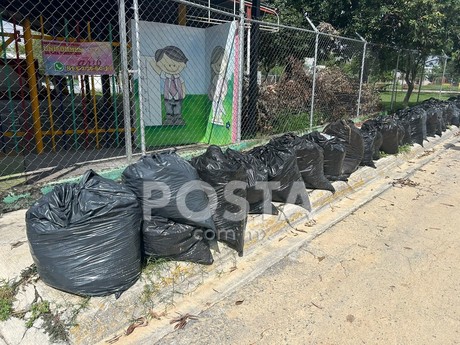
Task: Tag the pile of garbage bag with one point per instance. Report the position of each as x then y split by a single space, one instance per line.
91 238
175 208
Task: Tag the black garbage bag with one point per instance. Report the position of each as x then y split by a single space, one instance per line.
404 121
455 120
432 122
435 122
184 201
354 143
334 154
257 176
373 126
310 160
390 130
230 205
452 114
445 115
378 141
164 238
85 238
442 125
455 102
283 170
417 117
401 133
369 136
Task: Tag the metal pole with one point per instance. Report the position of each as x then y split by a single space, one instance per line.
93 94
422 77
240 68
139 76
72 94
253 93
33 91
313 87
48 95
362 75
393 95
443 73
125 78
248 50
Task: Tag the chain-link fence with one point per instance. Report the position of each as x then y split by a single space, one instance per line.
90 85
61 99
186 75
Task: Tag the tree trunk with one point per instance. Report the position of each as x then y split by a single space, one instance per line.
410 88
413 66
410 80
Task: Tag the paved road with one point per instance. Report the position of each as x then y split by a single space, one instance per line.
387 274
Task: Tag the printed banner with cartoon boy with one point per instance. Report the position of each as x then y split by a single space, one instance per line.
187 83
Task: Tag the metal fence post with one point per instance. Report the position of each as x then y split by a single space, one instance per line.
393 96
443 74
313 87
240 68
248 50
139 76
125 79
362 75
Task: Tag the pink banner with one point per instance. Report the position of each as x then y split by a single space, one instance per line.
77 58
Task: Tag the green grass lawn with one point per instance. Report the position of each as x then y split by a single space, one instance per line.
435 87
386 98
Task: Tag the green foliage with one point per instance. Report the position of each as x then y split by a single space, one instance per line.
38 309
276 48
383 154
6 300
385 98
405 148
352 68
154 265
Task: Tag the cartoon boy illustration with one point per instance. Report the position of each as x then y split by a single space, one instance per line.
169 63
218 86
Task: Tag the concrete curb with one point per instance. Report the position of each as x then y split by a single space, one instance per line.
163 285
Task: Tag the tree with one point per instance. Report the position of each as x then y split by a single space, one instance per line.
421 27
275 48
424 27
